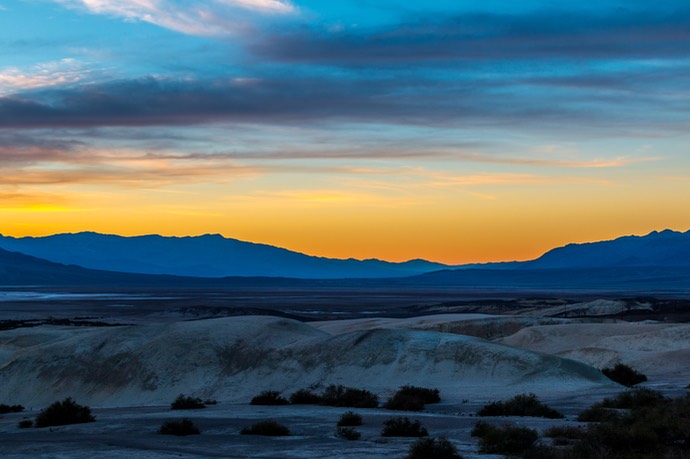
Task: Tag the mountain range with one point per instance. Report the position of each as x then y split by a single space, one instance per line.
210 255
659 261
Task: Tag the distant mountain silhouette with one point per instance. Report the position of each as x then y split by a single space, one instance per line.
666 248
658 262
201 256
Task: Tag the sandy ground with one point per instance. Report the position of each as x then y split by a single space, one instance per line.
131 432
130 374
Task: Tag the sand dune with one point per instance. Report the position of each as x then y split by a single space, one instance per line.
662 351
232 359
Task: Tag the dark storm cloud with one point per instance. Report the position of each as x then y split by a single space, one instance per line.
485 37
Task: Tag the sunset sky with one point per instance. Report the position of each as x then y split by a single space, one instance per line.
456 131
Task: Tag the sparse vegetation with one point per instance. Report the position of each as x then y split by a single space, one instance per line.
347 433
4 409
403 427
412 398
210 401
508 439
427 395
349 397
646 425
432 448
305 397
183 402
25 424
634 399
624 374
597 413
63 413
350 419
269 397
564 435
268 428
179 428
520 405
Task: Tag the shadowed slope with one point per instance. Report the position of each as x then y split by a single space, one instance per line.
234 358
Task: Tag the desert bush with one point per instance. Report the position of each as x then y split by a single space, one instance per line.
179 428
350 419
427 395
349 397
4 409
268 428
569 432
403 427
630 400
183 402
63 413
653 427
597 413
25 424
404 402
508 440
412 398
481 428
624 374
269 397
432 448
520 405
305 397
633 399
347 433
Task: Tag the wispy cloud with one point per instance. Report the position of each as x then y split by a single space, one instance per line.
320 99
44 75
212 18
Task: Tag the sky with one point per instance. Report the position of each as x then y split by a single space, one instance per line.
455 131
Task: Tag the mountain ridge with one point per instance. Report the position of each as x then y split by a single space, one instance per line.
659 259
209 255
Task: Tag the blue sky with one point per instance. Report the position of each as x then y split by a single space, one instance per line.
506 127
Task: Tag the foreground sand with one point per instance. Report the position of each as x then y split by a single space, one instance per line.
130 374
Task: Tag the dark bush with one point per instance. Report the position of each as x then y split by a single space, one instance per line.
179 428
25 424
651 427
623 374
427 395
633 399
508 440
481 428
412 398
182 402
269 397
347 433
630 400
305 397
210 401
404 402
268 428
564 435
520 405
350 419
569 432
432 448
597 413
63 413
349 397
403 427
4 409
